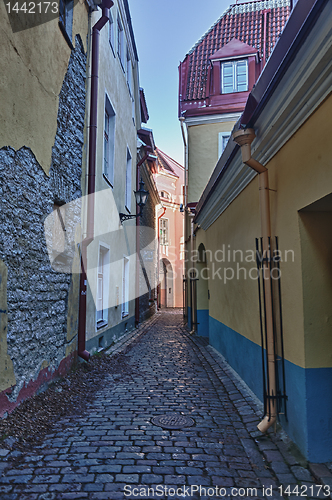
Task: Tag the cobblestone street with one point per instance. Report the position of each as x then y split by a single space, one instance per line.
114 451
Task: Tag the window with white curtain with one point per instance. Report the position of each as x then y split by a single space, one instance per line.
121 44
234 76
128 181
102 286
111 32
109 141
125 287
164 231
222 142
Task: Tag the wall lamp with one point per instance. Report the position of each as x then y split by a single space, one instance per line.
141 198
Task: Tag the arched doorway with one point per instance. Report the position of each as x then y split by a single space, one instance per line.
166 284
202 293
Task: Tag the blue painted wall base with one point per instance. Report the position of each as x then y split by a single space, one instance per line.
203 322
309 391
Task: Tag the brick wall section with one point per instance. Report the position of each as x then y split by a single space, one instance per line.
37 294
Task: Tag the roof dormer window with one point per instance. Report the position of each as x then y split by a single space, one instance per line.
234 76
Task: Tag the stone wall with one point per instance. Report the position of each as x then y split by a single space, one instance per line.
42 302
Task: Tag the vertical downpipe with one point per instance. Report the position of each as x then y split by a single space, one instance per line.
185 217
105 6
192 284
244 139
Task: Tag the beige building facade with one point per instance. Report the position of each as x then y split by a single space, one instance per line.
111 256
291 129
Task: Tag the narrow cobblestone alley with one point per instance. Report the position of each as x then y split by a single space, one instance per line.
114 451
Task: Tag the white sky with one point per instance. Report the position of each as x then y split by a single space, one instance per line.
165 30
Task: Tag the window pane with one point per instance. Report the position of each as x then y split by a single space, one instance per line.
111 31
234 77
106 148
228 69
225 141
241 76
227 78
107 123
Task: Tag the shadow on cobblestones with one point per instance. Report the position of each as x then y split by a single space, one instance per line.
112 450
35 416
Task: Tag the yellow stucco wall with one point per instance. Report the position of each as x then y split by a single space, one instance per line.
7 377
301 174
33 65
203 273
203 155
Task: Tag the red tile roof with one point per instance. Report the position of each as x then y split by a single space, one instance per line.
167 163
242 21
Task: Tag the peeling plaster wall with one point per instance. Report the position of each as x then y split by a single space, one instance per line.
42 302
33 66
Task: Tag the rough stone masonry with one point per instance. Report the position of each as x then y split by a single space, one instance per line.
42 302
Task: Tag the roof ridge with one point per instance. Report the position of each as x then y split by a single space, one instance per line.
236 8
208 31
174 161
261 4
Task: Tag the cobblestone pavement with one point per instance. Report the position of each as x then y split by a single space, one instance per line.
114 451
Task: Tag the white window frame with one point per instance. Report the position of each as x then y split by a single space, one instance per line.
133 108
221 141
164 237
129 73
121 43
111 32
128 193
103 281
125 287
108 141
234 65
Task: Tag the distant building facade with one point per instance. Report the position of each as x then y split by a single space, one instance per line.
147 244
215 81
169 178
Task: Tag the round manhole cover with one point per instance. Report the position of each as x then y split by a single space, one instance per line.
172 421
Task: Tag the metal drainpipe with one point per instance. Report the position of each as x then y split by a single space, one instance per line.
185 308
244 139
193 270
105 6
158 267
